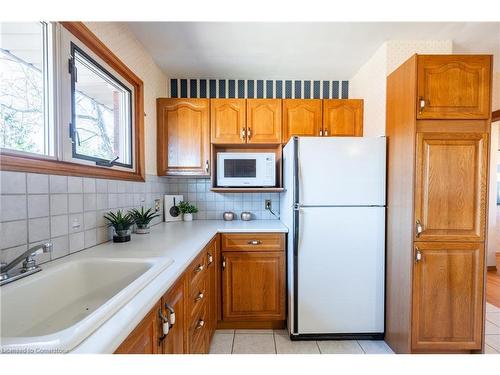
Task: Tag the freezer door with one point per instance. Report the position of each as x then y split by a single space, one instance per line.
348 171
340 269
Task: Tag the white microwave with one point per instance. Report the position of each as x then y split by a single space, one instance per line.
242 169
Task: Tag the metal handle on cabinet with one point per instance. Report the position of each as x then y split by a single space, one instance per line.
210 258
171 311
165 324
249 133
418 228
206 166
321 133
254 242
326 133
199 297
199 268
421 103
418 255
243 133
223 263
200 324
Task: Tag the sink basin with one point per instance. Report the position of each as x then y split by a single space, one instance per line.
56 309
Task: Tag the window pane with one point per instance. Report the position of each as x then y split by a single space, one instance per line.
22 92
102 119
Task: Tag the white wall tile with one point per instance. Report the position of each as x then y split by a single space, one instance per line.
14 233
101 185
38 229
13 207
60 247
75 223
58 204
89 185
75 185
38 183
76 242
38 205
8 255
89 202
89 219
59 225
90 237
58 184
13 182
75 203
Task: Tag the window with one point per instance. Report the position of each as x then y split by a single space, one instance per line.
68 105
24 88
101 113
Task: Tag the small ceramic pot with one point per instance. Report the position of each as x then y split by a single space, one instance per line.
246 216
187 217
142 229
121 235
228 216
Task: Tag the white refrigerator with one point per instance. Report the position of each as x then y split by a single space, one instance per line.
334 207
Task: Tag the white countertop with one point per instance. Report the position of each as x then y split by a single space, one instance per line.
179 241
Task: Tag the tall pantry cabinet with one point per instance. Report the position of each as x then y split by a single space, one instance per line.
438 125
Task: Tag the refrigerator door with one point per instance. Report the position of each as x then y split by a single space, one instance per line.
347 171
340 270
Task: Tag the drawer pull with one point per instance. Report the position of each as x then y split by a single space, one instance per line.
199 268
171 318
210 258
254 242
199 297
164 323
200 324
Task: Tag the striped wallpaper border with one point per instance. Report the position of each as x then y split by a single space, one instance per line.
258 89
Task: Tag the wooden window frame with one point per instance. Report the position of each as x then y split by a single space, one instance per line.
32 163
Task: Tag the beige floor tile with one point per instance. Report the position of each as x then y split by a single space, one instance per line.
493 341
375 347
491 329
253 343
285 346
281 332
493 317
255 331
225 331
340 347
489 350
492 308
222 343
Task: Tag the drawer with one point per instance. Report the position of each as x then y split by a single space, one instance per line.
197 268
198 331
253 241
198 294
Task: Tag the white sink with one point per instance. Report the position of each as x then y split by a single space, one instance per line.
60 306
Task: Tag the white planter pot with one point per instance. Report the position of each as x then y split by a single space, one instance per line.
188 217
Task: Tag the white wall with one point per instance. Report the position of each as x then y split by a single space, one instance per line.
124 44
494 210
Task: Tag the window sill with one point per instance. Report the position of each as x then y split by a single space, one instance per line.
33 164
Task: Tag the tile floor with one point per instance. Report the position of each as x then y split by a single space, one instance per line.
268 341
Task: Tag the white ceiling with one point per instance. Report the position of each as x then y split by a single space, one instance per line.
292 50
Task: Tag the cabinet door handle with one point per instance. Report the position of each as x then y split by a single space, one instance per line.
200 324
171 311
421 104
249 133
418 228
199 297
254 242
210 258
199 268
418 255
321 133
326 133
243 133
223 263
206 166
164 323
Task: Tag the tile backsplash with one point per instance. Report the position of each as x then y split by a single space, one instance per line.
212 205
67 211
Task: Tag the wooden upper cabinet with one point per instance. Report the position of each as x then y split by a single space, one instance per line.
451 183
174 300
228 120
253 286
343 117
264 121
453 87
144 339
301 117
447 296
183 137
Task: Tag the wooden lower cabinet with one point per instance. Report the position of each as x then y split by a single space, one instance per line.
253 286
448 283
144 338
173 302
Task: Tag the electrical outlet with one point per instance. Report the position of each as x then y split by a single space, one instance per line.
157 205
268 205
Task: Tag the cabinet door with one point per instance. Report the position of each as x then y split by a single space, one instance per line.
144 339
301 117
450 190
343 117
264 121
183 137
212 289
253 286
454 87
227 119
174 300
447 296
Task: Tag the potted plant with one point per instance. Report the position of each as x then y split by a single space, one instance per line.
142 219
187 209
121 224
